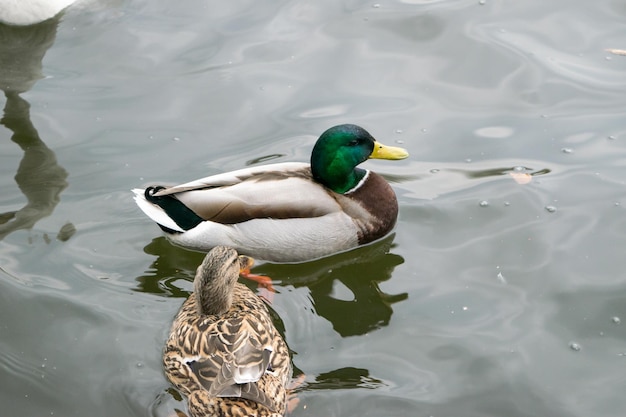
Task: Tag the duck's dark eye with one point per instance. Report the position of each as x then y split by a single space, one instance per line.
353 142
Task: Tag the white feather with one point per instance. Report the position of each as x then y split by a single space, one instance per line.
30 12
155 212
269 239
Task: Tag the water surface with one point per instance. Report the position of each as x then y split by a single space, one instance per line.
501 292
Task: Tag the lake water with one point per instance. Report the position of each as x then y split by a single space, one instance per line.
501 291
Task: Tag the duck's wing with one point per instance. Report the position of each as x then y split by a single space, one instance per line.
276 191
241 354
269 171
221 382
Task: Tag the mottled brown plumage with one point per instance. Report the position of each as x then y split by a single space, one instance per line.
224 352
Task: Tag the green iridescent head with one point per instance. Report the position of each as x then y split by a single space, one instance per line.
340 149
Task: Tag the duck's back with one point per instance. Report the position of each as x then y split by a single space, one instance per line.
202 349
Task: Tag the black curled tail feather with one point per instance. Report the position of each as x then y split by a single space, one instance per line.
181 214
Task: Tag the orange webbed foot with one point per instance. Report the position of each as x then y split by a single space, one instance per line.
266 289
292 399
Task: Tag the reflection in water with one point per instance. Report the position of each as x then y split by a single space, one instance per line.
344 287
343 378
22 49
40 178
264 159
170 403
171 265
494 172
357 308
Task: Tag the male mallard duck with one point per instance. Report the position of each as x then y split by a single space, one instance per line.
224 352
285 212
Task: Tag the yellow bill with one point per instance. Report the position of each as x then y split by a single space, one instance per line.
388 152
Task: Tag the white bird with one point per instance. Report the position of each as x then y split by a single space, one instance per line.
30 12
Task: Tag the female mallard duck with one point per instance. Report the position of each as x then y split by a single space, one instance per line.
224 352
285 212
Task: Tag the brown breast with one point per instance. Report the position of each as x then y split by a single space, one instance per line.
373 207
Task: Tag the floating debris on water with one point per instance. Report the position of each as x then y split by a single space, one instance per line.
621 52
616 320
484 203
575 346
66 232
550 209
521 177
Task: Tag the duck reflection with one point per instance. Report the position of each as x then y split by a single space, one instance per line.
39 176
344 287
172 272
170 402
343 378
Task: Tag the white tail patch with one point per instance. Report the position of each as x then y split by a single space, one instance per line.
155 212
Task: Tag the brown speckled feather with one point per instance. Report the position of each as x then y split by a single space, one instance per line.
235 364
